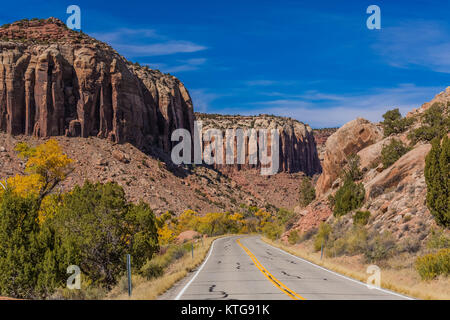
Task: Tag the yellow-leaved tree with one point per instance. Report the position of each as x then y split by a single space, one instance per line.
46 167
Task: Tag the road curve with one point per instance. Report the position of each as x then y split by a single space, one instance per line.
246 268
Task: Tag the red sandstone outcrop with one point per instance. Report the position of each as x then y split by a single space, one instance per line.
55 81
297 147
349 139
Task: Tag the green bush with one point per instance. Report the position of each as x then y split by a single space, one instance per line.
437 178
307 192
435 124
348 197
361 217
351 171
323 233
434 264
438 240
96 227
272 230
155 267
293 237
392 152
23 256
394 123
379 247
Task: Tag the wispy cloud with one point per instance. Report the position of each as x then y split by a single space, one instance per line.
145 43
118 34
321 109
260 83
202 99
183 65
416 43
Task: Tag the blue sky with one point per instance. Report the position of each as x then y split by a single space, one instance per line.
315 61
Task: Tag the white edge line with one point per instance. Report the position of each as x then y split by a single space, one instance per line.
340 275
196 274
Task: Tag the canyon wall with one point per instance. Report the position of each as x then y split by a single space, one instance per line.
297 147
55 81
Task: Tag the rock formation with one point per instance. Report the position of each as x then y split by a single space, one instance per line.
297 147
349 139
55 81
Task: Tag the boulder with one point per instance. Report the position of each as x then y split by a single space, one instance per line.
349 139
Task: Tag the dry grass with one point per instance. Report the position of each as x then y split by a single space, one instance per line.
150 289
397 274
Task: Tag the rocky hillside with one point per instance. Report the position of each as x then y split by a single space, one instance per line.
143 177
297 149
394 196
55 81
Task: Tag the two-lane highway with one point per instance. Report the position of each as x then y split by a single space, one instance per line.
247 268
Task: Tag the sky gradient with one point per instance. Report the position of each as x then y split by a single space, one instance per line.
315 61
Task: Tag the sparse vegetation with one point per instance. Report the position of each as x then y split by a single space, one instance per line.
307 192
348 197
293 237
391 152
394 123
435 124
361 217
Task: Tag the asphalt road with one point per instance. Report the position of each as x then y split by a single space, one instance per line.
247 268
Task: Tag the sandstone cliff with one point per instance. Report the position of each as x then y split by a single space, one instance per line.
55 81
297 147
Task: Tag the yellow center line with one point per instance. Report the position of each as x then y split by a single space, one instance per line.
277 283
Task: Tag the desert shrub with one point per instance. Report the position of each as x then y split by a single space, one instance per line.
293 237
410 245
307 192
379 247
155 267
348 197
284 216
272 230
392 152
308 234
322 235
437 177
435 124
22 273
394 123
351 170
432 265
344 241
361 217
96 227
438 240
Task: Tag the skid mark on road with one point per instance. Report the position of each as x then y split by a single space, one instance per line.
277 283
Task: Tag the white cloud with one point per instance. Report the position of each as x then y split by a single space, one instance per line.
184 65
158 49
145 42
202 99
416 43
330 110
119 34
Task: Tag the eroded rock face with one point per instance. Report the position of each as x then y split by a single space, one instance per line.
349 139
54 81
297 148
